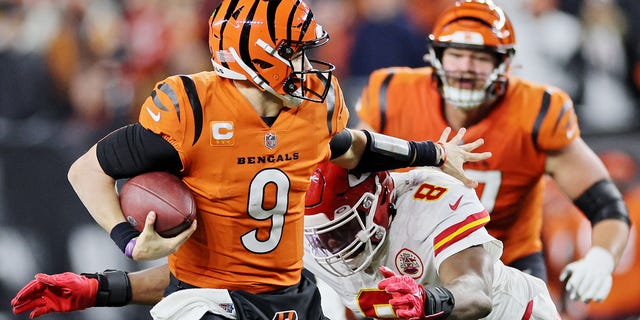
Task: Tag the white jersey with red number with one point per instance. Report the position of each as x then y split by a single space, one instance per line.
437 217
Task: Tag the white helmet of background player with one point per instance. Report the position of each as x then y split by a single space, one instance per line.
347 217
477 25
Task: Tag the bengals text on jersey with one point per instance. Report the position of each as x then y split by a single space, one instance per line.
248 178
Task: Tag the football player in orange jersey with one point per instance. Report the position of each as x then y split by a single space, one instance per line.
357 224
245 139
530 128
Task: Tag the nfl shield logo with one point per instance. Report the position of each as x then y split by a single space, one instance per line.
270 140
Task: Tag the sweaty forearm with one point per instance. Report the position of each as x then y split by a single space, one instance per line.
147 286
611 235
603 205
118 288
96 190
472 298
469 277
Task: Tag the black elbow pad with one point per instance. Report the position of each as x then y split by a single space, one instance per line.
603 201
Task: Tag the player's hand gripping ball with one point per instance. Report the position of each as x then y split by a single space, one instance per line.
163 193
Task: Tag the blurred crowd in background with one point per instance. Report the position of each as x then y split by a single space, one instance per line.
73 70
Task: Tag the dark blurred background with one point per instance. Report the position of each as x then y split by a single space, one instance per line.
73 70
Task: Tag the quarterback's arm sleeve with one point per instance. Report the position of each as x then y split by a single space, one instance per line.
132 150
384 152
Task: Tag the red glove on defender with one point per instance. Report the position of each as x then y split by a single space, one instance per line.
408 296
411 300
62 292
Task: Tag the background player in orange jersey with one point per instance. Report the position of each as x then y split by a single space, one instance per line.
566 232
531 129
245 139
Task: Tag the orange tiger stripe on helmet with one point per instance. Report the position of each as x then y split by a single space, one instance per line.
256 40
483 23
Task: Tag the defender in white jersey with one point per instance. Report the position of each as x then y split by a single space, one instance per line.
428 229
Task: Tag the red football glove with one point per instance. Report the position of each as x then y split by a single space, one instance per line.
62 292
408 296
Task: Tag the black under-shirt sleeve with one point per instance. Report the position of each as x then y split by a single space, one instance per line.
133 149
340 143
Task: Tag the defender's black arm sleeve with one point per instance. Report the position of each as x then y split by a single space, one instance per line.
132 150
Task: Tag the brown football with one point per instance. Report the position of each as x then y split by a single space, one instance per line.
163 193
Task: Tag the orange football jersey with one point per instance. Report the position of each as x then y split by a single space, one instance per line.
529 120
249 179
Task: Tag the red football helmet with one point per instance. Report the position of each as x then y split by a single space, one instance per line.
260 41
477 25
346 217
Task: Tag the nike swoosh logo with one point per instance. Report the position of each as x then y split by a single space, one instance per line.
455 205
570 133
154 116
